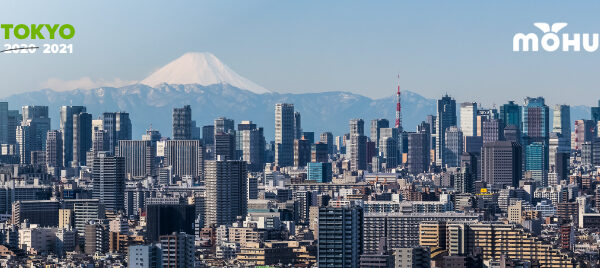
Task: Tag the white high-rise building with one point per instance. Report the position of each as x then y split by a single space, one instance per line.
468 118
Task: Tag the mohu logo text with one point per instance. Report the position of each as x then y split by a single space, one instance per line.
551 40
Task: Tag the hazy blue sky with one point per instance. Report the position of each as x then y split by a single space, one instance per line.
460 47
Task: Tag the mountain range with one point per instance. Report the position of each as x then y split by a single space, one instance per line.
213 90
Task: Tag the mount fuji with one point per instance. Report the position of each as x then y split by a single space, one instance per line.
203 69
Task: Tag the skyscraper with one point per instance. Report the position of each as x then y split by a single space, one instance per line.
226 191
118 127
562 121
185 157
225 145
453 146
501 163
54 149
139 158
253 148
340 236
24 143
284 134
297 125
418 152
510 114
596 113
468 118
301 152
536 120
376 125
388 148
4 123
82 138
536 164
108 179
357 149
493 130
584 132
208 135
182 123
327 138
36 117
66 128
446 117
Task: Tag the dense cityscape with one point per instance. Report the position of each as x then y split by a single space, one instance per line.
516 186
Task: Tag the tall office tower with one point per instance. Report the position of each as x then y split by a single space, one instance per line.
308 135
297 125
239 135
584 132
418 152
463 181
446 117
492 130
596 113
66 128
177 250
144 256
225 145
223 124
327 138
501 163
108 180
139 158
253 148
318 152
301 152
559 155
82 138
510 114
24 143
100 141
284 134
185 157
118 127
54 149
512 133
340 236
208 135
4 123
182 123
432 121
376 126
536 162
226 191
357 149
536 120
453 146
163 219
196 131
562 121
14 120
36 117
468 118
388 149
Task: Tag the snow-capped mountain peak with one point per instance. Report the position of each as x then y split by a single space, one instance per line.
200 68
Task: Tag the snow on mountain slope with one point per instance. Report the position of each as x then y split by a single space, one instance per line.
203 69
